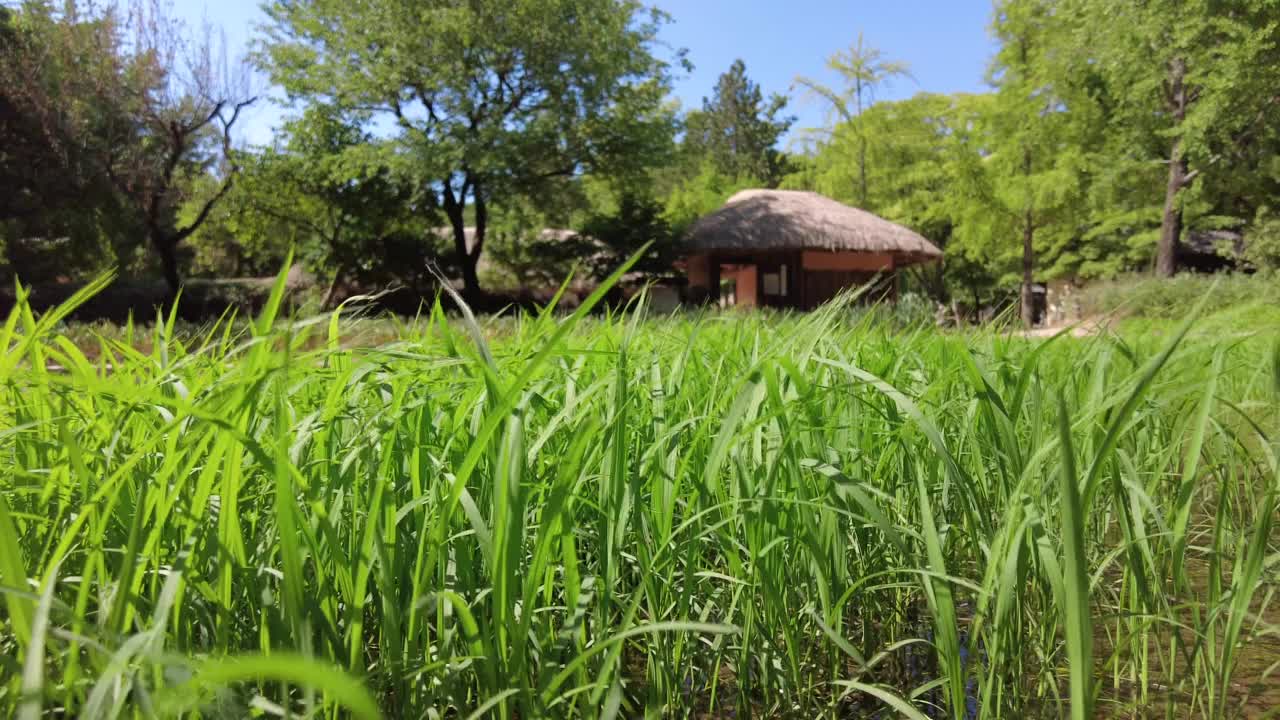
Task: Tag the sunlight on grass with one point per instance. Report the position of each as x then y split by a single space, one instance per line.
615 514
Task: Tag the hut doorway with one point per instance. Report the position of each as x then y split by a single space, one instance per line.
738 284
794 280
760 280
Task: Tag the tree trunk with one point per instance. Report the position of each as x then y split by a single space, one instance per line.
862 170
167 250
477 242
453 209
1028 248
1171 220
1028 271
470 280
862 149
333 289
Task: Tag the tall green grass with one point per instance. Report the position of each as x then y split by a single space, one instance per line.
1155 298
621 515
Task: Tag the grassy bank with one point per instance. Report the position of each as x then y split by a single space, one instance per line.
598 516
1256 296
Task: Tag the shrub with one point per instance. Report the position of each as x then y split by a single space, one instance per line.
1262 242
1168 298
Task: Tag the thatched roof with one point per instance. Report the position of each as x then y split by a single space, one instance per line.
794 220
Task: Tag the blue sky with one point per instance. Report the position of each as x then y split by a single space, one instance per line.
945 42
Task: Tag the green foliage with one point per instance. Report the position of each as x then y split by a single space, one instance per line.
541 516
1187 89
618 225
1168 299
1228 50
910 311
863 69
1262 241
116 118
925 171
1073 146
59 213
701 194
908 147
1032 170
524 249
1110 130
737 131
728 145
638 221
491 101
337 196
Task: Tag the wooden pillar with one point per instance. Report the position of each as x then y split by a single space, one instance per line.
802 284
795 284
759 282
713 273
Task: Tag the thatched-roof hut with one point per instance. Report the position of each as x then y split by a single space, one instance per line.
795 249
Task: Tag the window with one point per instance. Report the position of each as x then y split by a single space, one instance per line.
772 284
775 283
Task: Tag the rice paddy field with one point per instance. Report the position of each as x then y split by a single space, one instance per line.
622 515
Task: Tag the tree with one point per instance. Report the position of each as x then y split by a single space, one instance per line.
492 100
911 147
907 149
1262 241
130 114
737 130
1022 104
1201 76
863 69
1026 173
606 232
185 111
637 220
58 212
702 194
332 191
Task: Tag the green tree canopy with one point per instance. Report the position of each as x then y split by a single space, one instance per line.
1190 84
116 115
332 191
492 99
737 130
863 69
59 214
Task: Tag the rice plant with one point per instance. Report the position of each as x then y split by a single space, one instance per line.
612 514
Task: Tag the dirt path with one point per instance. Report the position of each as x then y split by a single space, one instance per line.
1082 328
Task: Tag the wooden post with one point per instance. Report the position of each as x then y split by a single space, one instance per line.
761 301
713 272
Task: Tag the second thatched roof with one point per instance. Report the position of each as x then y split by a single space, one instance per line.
794 220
